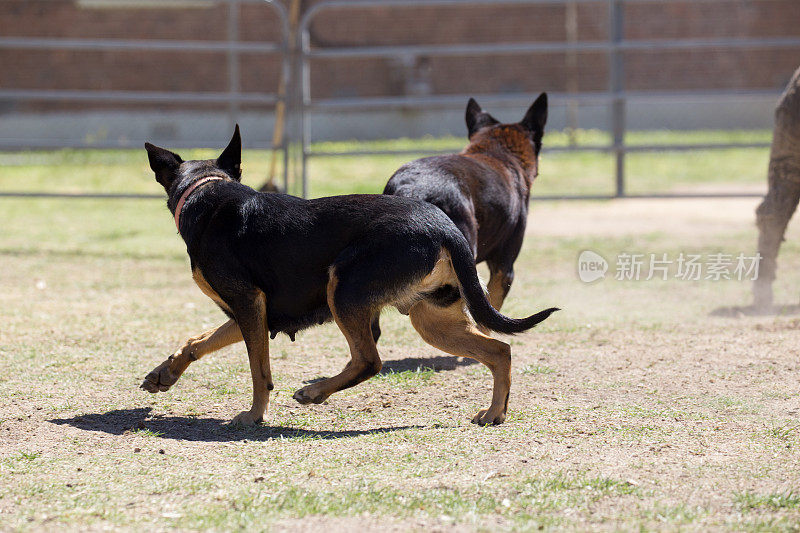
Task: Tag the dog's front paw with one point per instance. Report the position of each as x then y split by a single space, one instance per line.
160 379
246 418
486 417
308 395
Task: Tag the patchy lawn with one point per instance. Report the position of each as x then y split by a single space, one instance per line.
633 407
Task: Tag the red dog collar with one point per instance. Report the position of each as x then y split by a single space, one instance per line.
186 194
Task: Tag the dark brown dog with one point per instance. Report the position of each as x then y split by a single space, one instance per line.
484 189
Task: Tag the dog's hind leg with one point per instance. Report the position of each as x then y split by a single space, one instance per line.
251 315
356 325
376 327
162 377
500 280
450 330
501 266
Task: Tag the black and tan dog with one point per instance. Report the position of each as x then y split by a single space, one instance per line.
484 189
276 263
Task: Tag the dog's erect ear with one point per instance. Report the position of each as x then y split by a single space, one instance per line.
231 158
536 117
477 119
164 164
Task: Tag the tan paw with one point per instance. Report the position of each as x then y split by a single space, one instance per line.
160 378
486 417
246 418
308 395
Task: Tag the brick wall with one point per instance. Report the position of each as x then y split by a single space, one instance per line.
207 71
693 69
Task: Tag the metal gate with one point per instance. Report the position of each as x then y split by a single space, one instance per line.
616 97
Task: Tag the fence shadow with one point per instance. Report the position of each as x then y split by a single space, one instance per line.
120 421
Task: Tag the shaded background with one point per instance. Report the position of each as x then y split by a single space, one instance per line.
106 73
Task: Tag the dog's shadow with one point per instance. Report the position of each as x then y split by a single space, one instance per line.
416 364
122 421
751 310
437 364
188 428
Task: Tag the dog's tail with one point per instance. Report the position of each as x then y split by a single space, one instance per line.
472 292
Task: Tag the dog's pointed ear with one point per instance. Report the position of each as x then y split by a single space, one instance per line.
164 164
476 118
536 117
230 160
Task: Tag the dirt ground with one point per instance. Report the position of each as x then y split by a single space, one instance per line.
634 407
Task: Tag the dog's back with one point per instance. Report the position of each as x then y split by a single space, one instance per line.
474 192
485 189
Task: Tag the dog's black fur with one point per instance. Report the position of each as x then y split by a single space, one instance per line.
485 189
357 253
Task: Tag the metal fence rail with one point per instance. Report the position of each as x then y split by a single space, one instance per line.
616 97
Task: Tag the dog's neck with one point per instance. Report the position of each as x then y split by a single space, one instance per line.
189 190
519 157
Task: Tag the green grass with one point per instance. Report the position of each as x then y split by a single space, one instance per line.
535 369
127 171
28 456
147 433
783 432
407 378
751 501
526 504
573 172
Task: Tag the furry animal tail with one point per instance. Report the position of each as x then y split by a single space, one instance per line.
472 292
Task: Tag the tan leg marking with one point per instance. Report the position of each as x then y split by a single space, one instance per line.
162 377
364 359
197 275
498 288
254 330
450 330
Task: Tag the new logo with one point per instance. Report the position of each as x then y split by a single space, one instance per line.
591 266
